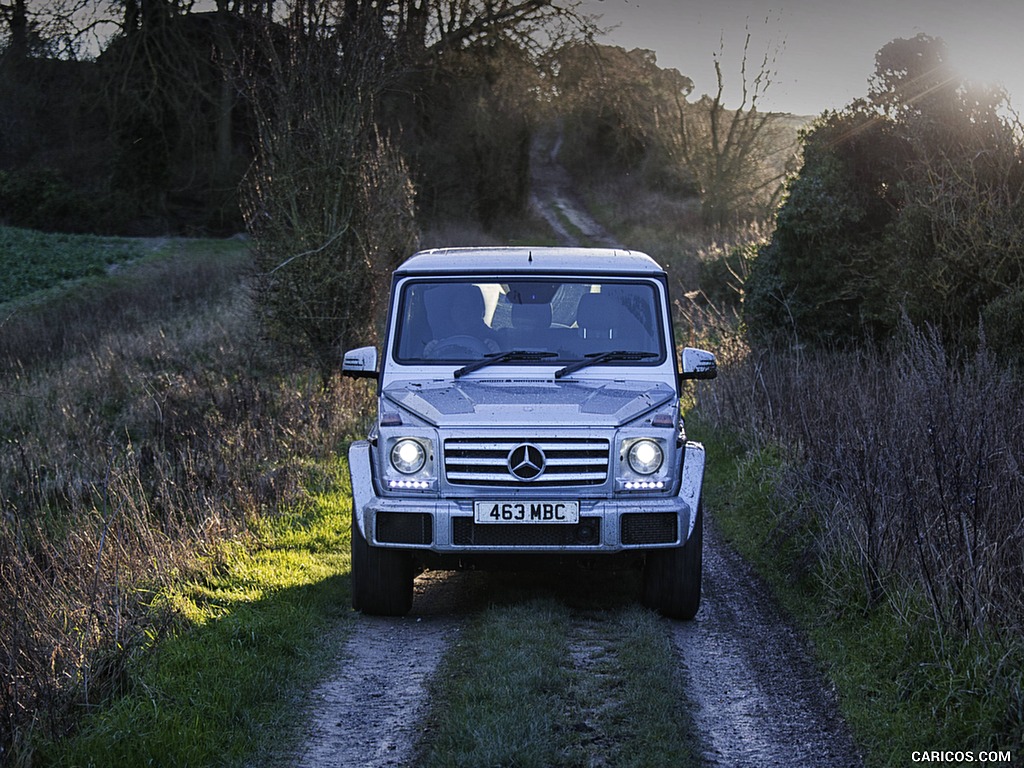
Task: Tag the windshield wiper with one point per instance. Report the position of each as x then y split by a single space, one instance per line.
600 357
501 357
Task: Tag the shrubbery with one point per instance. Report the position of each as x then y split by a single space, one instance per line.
901 481
41 199
911 200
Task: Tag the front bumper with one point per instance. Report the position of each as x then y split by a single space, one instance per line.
445 525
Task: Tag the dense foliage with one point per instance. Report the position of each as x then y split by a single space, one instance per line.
151 128
910 201
328 202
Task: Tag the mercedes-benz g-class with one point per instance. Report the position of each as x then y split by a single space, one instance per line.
528 406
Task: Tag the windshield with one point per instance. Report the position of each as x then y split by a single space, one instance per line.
464 321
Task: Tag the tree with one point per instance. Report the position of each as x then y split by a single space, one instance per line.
909 201
823 275
15 17
738 158
613 103
471 80
328 201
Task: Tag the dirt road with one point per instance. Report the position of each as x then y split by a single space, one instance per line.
758 699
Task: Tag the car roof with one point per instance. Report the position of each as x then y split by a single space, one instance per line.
501 259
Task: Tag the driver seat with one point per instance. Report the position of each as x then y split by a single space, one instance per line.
457 310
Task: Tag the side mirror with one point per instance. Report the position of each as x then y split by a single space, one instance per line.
360 363
697 364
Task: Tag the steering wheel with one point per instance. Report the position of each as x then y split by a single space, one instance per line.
450 346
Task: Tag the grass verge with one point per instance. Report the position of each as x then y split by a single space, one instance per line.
242 644
566 674
898 692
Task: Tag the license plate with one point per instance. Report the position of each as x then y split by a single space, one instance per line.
526 512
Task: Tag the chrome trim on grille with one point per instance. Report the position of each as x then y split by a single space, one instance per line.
485 461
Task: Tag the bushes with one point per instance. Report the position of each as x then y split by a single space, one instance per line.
328 200
905 465
904 204
902 478
912 459
124 458
41 199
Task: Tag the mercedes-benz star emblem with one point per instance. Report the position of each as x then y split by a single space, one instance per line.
526 461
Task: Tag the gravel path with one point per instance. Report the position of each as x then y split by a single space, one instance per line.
369 712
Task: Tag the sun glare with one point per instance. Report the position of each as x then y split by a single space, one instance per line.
987 65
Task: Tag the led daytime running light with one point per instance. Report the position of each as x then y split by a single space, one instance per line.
415 484
644 485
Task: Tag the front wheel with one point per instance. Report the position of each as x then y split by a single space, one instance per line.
381 578
672 576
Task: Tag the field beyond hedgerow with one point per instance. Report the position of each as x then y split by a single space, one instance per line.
33 261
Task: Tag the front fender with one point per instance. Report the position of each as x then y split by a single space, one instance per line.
361 473
693 479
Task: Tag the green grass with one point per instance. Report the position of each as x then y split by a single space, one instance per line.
59 299
246 641
32 261
650 725
561 672
898 692
39 266
503 691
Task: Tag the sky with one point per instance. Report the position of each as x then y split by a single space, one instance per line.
824 50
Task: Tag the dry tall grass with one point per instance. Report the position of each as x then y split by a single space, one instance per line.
908 462
155 425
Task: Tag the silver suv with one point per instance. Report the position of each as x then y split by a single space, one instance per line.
528 408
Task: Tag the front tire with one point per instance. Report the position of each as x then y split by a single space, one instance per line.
381 578
672 576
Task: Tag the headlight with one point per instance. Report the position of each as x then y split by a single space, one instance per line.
645 457
408 456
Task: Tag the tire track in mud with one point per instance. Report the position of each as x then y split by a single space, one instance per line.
370 711
759 699
553 200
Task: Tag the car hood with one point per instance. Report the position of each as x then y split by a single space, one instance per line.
549 403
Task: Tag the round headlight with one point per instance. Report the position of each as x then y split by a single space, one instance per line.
645 457
408 456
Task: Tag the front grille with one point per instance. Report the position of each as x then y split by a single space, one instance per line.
650 528
484 461
404 528
466 533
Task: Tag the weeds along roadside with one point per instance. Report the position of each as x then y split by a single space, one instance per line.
154 428
879 490
891 480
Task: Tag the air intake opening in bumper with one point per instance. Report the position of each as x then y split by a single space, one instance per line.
405 528
650 528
